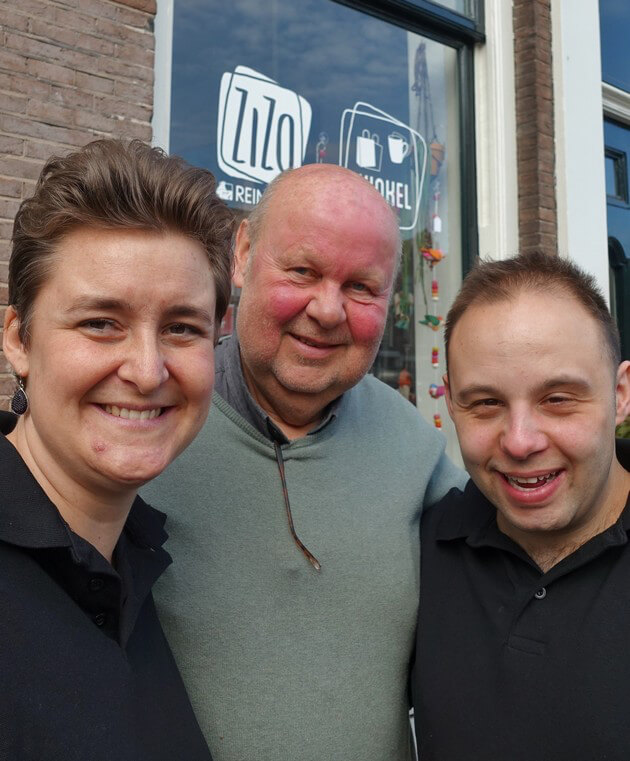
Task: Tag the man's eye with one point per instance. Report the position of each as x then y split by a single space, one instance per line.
486 403
360 287
183 329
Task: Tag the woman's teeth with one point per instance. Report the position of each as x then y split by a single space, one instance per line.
132 414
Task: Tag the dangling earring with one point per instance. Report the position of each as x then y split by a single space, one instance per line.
19 402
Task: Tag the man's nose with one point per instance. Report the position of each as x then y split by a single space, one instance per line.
327 306
522 435
144 363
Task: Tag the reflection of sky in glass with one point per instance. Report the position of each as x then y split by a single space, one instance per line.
615 29
611 177
465 7
329 54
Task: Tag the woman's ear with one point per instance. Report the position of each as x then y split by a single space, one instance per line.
12 345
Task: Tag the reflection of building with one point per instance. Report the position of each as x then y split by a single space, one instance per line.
480 122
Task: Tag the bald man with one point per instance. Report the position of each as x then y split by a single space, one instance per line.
291 606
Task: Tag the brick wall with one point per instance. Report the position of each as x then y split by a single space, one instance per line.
535 126
70 71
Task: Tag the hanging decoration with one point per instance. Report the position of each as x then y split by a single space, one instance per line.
428 239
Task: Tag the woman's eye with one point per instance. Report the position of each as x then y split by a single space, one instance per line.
97 325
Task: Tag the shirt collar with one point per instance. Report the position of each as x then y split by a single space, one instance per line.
230 384
29 519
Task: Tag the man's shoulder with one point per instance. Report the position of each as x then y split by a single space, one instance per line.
371 390
459 513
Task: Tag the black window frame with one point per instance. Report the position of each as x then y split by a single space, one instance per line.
461 33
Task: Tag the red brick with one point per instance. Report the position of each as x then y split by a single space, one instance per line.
51 72
8 209
98 8
42 28
116 107
134 91
10 18
135 54
11 61
9 186
44 150
121 68
94 83
13 103
148 6
134 18
72 19
28 127
94 121
71 97
51 113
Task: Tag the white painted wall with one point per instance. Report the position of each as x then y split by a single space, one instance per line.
161 122
495 125
580 178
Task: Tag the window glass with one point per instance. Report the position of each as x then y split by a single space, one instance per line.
465 7
614 28
262 87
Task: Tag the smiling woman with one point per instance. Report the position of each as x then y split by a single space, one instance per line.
118 280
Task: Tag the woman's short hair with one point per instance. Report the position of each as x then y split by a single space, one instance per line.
114 184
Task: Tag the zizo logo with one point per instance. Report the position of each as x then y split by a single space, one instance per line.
262 127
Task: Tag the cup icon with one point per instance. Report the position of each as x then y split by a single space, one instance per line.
398 147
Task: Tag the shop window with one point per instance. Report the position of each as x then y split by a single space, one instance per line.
262 87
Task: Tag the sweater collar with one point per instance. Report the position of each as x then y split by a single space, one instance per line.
231 386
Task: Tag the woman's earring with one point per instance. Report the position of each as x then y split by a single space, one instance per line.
19 402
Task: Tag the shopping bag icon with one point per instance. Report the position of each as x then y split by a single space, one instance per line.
369 151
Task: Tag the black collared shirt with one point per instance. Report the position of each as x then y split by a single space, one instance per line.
86 673
229 383
513 664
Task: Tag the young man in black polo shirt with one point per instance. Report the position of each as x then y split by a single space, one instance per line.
523 648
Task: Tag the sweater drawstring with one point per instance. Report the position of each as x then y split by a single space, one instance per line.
308 554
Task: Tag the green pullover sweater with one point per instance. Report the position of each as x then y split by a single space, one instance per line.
282 662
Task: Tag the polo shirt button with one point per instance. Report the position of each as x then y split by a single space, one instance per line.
540 594
99 619
96 584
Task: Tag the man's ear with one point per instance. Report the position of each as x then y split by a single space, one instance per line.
12 346
622 392
242 252
447 394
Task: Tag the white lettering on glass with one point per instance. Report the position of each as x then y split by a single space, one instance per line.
262 127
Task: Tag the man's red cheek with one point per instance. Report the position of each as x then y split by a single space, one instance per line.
366 323
285 303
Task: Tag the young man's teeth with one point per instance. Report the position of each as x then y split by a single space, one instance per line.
132 414
538 480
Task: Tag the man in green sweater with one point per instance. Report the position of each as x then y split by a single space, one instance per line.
294 516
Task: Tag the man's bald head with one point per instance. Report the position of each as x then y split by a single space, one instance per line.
312 179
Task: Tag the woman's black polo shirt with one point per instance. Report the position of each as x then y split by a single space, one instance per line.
86 673
513 664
